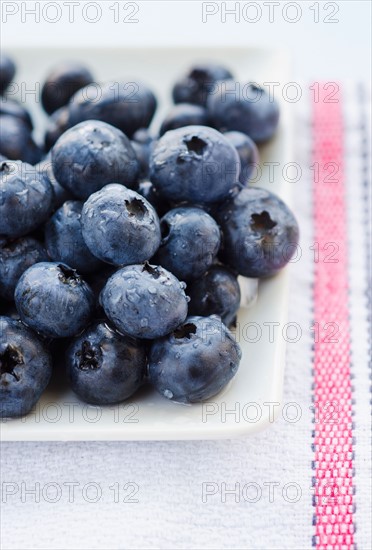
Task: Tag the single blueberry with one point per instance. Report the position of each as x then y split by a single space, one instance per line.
53 299
105 367
248 154
148 190
7 72
143 136
184 114
217 292
143 143
119 226
142 152
25 368
196 164
60 194
128 106
64 239
195 361
10 107
26 198
260 232
144 301
97 281
199 82
57 125
16 141
244 108
62 83
91 155
15 257
190 242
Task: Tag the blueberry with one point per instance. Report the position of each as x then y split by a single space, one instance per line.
15 257
13 108
198 83
64 240
97 281
195 361
143 136
144 301
57 125
190 242
25 198
92 154
16 141
105 367
62 83
53 299
128 106
248 154
246 108
184 114
119 226
7 72
260 232
196 164
142 152
148 190
143 142
25 368
217 292
60 194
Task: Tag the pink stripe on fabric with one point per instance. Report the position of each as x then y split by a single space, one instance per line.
333 439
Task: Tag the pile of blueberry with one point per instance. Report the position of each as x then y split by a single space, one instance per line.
122 247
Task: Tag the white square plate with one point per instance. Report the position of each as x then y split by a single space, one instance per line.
59 415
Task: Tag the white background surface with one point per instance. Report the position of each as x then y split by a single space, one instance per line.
320 50
170 512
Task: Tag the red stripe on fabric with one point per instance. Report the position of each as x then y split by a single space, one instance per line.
333 439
